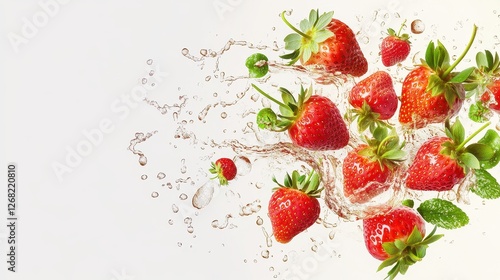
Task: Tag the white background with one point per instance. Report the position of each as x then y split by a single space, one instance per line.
78 66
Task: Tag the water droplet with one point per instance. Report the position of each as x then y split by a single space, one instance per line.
223 115
203 52
143 160
285 258
331 235
179 244
314 248
170 222
185 51
259 221
151 73
204 194
183 196
243 165
149 62
161 175
175 208
144 177
417 26
265 254
188 220
271 268
190 229
144 81
208 78
154 194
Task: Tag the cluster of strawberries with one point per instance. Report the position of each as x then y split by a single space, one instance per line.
432 93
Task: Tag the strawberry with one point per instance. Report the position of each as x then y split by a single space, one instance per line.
397 237
431 93
326 42
368 167
225 170
373 99
313 122
442 162
294 207
486 81
395 47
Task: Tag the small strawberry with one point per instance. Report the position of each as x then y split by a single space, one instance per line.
294 207
373 99
442 162
225 169
395 47
368 167
326 42
313 122
486 81
397 237
431 93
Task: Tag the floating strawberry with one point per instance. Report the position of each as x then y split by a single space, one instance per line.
486 81
326 42
373 99
431 92
313 122
225 169
368 167
397 238
442 162
294 206
395 47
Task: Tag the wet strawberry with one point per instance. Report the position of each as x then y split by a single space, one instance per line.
294 206
225 169
326 42
368 168
395 47
442 162
397 238
431 92
373 99
313 122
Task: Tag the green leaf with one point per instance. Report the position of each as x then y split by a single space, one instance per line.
293 41
443 213
469 160
492 139
429 55
487 186
458 132
462 76
390 248
481 60
481 151
324 20
322 35
477 112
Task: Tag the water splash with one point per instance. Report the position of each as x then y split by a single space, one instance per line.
139 138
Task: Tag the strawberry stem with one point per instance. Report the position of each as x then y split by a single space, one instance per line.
457 61
459 147
268 96
401 28
293 27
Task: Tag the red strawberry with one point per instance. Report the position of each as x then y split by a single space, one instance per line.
368 167
326 42
294 206
313 122
486 80
373 99
442 162
397 237
225 169
431 92
491 97
395 47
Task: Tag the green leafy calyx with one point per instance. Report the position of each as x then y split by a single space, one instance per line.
290 109
384 147
443 80
306 41
405 252
307 184
466 156
404 36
